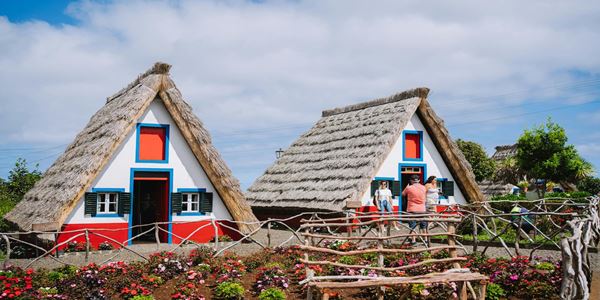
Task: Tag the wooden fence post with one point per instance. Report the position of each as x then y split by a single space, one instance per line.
7 241
309 272
475 234
156 236
87 246
269 233
380 257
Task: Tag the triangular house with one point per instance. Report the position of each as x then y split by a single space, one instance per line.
336 164
144 157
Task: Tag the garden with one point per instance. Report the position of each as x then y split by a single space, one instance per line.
268 274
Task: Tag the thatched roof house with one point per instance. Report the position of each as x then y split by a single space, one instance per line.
335 163
118 153
504 151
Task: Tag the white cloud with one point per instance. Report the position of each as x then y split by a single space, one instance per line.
244 65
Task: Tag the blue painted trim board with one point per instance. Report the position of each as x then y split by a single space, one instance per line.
400 165
137 143
131 187
404 133
108 190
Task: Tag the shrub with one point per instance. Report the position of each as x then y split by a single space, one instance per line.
134 290
494 292
590 185
258 259
167 265
573 195
230 270
143 297
201 255
545 265
272 294
225 238
273 277
229 291
75 246
105 246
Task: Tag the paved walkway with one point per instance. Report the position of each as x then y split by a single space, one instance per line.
277 237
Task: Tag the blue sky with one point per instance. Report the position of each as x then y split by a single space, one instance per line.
259 73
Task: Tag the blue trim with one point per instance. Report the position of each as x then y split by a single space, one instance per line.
132 184
189 213
404 133
102 190
400 165
110 215
137 143
385 178
191 190
442 179
107 190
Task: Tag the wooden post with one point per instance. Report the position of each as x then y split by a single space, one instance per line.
475 234
380 258
156 237
349 222
87 245
452 242
309 272
214 224
7 241
269 233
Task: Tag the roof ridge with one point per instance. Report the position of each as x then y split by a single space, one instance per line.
157 68
420 92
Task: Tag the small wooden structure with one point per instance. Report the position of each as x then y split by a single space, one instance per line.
317 231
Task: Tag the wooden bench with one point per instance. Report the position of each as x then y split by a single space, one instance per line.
379 234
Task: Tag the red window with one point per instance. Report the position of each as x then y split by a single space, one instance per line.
412 146
152 143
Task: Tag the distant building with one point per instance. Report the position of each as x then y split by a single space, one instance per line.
339 162
504 151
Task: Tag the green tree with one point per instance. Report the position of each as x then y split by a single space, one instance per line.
20 180
508 171
590 184
543 153
483 166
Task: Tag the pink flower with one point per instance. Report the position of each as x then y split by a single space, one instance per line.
514 277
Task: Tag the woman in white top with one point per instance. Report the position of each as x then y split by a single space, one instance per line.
433 193
383 200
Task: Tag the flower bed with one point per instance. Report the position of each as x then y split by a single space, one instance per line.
270 274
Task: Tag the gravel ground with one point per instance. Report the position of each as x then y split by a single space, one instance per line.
277 237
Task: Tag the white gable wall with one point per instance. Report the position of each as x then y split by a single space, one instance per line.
431 158
187 172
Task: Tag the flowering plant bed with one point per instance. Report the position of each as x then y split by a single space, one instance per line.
270 273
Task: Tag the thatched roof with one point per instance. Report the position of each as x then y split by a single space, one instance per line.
56 194
335 161
494 188
504 151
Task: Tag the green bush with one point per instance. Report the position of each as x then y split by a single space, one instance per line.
548 266
494 292
573 195
142 297
272 294
229 291
590 185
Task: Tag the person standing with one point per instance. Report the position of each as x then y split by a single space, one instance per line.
433 193
383 200
415 192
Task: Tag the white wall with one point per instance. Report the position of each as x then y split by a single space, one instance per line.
187 172
431 158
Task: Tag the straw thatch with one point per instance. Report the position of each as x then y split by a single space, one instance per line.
335 161
494 188
64 183
504 151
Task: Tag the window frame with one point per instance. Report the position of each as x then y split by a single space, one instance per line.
107 191
190 191
412 132
139 127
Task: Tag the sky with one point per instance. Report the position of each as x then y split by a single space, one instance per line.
259 73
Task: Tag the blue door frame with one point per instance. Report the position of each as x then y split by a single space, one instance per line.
400 165
131 187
